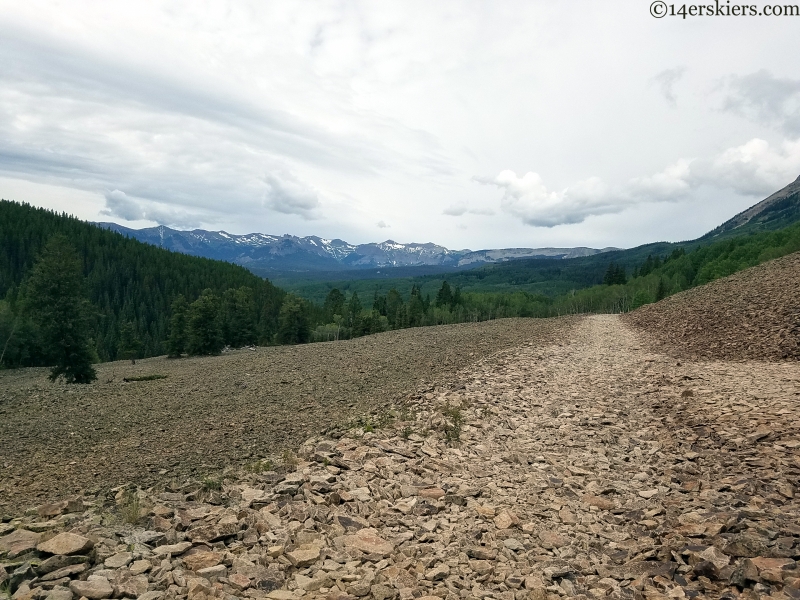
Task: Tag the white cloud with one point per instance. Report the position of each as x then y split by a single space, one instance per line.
528 199
752 169
382 224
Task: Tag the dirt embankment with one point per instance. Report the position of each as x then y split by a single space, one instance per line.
216 412
754 314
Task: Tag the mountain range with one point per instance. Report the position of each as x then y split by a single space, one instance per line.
262 252
269 255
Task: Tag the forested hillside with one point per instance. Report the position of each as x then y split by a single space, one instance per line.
130 285
145 301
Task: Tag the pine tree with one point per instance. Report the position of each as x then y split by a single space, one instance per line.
293 322
130 346
57 303
334 304
661 290
176 343
204 335
354 310
444 298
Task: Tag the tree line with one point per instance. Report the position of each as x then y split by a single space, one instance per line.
75 294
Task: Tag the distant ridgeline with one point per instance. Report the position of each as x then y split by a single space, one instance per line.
126 282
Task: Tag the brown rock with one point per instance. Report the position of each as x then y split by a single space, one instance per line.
551 539
434 493
506 519
370 542
306 555
202 560
239 581
19 542
129 586
94 588
66 543
600 502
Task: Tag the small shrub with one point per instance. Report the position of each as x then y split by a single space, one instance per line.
211 484
289 459
131 508
452 429
152 377
259 466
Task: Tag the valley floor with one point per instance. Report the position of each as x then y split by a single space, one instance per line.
587 465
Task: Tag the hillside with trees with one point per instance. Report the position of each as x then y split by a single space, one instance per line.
130 289
74 294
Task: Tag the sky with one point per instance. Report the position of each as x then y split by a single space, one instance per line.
474 125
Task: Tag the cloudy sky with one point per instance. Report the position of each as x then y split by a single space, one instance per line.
470 124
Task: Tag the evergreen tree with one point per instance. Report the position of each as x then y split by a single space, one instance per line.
444 298
204 335
661 290
615 275
334 304
57 303
130 346
293 322
176 343
353 310
394 308
238 322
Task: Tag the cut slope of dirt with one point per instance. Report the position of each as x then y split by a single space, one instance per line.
211 413
754 314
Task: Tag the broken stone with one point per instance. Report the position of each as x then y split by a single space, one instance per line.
66 543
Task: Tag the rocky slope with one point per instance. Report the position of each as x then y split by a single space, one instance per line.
754 314
585 468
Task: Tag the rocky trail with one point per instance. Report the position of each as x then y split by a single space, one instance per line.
585 467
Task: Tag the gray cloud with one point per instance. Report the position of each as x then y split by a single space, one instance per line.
382 224
287 195
666 81
459 209
119 204
764 98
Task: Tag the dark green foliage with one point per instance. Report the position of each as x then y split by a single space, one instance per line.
353 310
334 304
661 290
294 326
203 331
238 317
55 300
130 346
125 280
176 343
615 275
444 297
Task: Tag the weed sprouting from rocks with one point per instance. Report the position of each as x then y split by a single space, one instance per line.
211 484
453 421
130 509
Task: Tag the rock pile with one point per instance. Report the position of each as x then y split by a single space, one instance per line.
586 469
754 314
